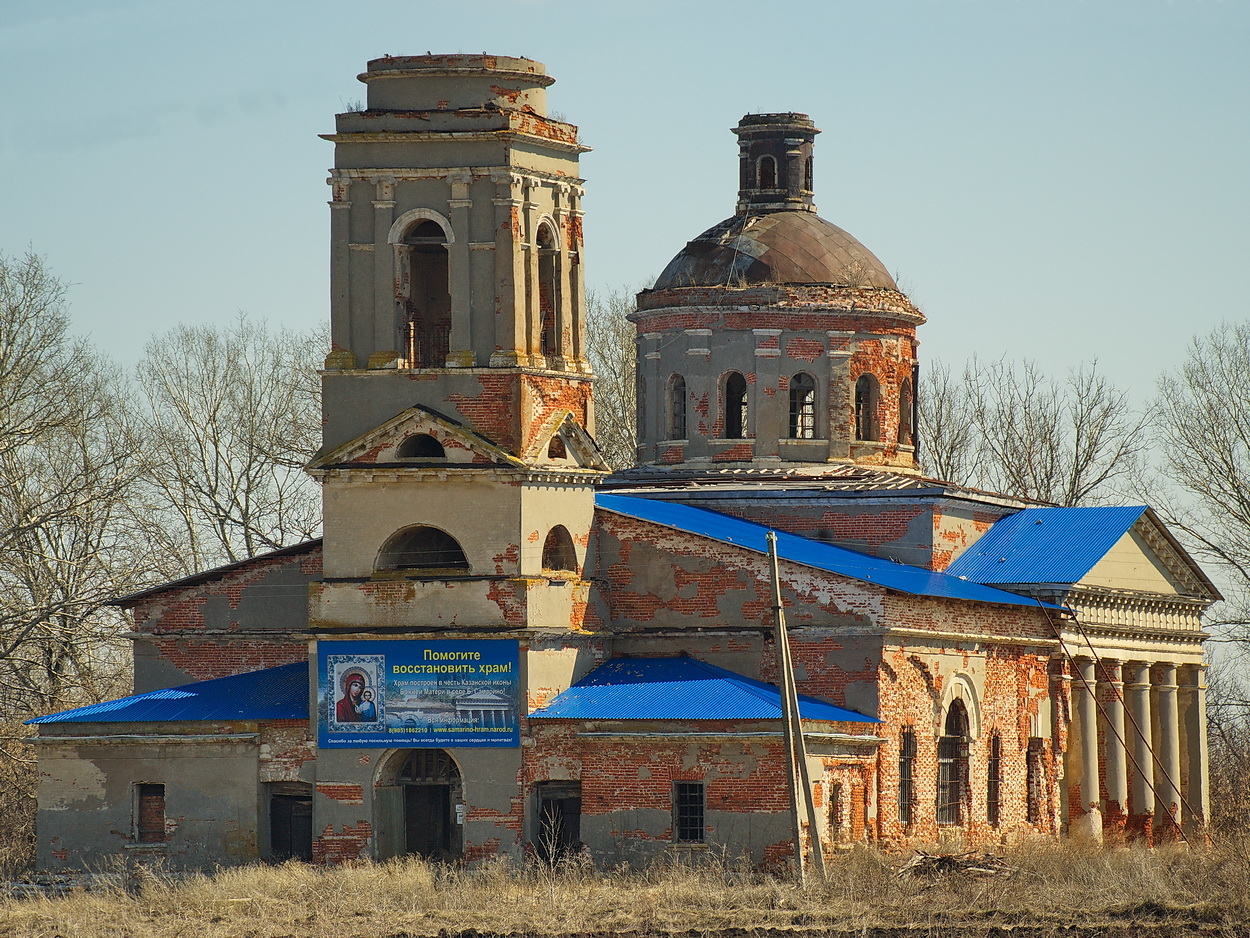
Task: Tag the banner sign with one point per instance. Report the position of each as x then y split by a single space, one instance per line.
413 694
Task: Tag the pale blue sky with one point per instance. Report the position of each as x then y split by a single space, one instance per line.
1058 179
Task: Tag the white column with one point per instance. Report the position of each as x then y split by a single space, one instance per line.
385 322
1114 742
1168 747
1193 704
1141 794
1086 712
341 325
509 273
460 353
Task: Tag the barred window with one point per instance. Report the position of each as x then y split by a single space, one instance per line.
688 812
837 817
906 783
1035 770
803 407
952 788
994 781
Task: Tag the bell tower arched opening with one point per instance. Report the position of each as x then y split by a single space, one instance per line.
548 293
425 296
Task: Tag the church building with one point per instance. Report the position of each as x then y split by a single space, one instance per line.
503 647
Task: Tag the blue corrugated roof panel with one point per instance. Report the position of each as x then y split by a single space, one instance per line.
905 578
679 689
1045 545
271 694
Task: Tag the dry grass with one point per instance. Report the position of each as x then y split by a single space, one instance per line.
1124 891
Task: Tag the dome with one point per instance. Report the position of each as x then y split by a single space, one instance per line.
775 247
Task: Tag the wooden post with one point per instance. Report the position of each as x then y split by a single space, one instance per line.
796 750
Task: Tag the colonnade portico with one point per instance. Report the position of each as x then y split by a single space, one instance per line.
1136 754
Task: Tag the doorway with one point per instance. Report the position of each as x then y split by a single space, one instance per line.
290 821
419 812
559 829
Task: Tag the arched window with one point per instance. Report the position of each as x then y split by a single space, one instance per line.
423 548
420 446
558 551
994 780
677 408
906 777
426 332
767 172
548 291
906 412
556 448
952 787
736 413
867 393
803 407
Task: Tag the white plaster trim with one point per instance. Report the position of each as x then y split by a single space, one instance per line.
141 738
961 686
404 221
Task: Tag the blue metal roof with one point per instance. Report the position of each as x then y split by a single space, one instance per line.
679 689
1045 545
905 578
271 694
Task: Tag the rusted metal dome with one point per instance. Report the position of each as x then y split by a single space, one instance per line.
775 247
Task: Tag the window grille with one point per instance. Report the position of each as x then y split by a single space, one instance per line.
688 812
994 781
1035 770
803 407
906 784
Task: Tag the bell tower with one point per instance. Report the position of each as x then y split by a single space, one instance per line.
457 464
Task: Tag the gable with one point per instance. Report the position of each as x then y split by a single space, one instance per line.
384 445
562 442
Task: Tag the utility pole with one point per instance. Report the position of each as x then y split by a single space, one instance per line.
796 749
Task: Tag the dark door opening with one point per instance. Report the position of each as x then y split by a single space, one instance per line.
559 830
427 820
290 827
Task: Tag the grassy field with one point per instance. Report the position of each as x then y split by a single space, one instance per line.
1069 890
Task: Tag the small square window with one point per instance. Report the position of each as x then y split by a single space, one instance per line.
688 812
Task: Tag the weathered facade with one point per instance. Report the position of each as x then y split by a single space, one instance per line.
600 649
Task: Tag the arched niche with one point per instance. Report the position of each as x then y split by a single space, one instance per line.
548 246
559 554
420 446
422 548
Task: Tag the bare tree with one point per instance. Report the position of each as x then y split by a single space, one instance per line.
232 416
67 467
1203 446
1010 428
610 345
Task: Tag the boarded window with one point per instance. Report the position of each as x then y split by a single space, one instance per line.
688 812
736 414
906 779
1035 770
150 814
423 548
803 407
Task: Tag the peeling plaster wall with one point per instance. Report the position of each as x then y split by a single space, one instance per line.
87 796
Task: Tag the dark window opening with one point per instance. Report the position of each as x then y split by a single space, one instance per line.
736 414
952 788
688 812
556 448
677 408
548 295
803 407
559 831
906 413
837 816
426 301
150 814
906 782
420 446
558 551
423 548
867 391
807 174
290 821
1035 771
767 172
994 781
